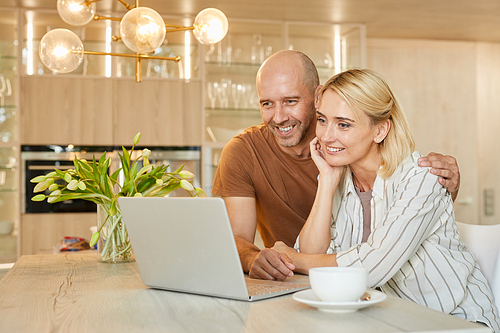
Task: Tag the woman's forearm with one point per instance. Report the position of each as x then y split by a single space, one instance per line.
303 261
315 235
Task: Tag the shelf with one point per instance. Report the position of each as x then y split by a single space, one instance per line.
218 68
213 145
5 167
218 112
8 190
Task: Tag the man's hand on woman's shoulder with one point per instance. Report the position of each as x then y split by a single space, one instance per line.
446 167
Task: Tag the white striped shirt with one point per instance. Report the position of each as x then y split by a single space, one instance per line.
414 250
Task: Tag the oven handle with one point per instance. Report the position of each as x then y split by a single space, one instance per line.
46 167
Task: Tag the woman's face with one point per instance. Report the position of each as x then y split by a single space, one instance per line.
345 139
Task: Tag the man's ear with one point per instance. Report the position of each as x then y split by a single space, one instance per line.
317 97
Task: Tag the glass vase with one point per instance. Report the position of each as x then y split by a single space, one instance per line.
114 244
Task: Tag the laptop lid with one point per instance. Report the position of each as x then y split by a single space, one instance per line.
185 244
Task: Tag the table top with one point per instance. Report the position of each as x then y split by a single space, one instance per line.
73 292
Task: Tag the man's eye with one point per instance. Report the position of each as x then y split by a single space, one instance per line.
265 104
291 102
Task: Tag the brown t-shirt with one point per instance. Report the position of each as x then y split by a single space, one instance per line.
253 165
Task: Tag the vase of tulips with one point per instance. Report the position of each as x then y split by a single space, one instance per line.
90 180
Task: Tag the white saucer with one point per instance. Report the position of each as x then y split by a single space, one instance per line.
309 297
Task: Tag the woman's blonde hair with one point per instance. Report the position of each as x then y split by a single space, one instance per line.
366 91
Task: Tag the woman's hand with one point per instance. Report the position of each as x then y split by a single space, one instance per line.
318 157
281 247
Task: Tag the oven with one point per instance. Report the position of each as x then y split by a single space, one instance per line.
40 160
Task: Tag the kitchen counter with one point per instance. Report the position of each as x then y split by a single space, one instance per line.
72 292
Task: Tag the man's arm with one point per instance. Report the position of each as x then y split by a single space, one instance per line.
446 168
265 264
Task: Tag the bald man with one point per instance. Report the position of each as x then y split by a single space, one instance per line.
266 175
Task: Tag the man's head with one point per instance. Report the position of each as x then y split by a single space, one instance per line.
286 83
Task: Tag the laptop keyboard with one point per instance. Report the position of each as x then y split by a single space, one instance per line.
262 289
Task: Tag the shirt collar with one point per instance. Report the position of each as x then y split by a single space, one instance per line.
378 186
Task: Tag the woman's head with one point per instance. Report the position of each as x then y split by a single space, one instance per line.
358 115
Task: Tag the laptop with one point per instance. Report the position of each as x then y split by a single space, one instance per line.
187 245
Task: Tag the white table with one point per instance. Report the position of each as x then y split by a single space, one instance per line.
73 292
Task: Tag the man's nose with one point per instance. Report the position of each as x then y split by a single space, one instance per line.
280 114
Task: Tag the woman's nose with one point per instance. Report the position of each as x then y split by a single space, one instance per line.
327 135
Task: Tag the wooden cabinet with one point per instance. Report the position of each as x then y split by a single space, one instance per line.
166 112
104 111
62 110
40 233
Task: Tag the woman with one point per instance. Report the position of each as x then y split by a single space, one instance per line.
376 208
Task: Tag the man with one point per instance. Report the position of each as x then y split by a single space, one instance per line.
266 175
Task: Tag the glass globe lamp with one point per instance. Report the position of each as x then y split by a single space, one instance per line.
210 26
76 12
142 30
61 50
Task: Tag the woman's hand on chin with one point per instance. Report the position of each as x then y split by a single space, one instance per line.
318 157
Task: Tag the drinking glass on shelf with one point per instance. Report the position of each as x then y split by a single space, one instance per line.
236 93
251 97
209 53
212 93
225 91
257 54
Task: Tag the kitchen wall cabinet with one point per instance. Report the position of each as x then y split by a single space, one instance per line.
104 111
166 112
63 110
9 136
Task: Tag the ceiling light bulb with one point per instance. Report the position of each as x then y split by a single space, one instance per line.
61 50
210 26
76 12
142 30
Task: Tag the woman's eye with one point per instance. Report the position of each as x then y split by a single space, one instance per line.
321 120
344 125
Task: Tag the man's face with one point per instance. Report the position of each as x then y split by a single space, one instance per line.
286 105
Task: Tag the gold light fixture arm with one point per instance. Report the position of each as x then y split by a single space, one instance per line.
98 17
129 7
88 2
126 55
138 59
177 28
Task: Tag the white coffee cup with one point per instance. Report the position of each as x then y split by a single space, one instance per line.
338 284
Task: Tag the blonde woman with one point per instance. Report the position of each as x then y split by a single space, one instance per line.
376 208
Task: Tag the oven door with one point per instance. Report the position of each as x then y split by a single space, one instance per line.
34 168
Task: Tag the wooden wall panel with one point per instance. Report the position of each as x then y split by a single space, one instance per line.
167 113
62 110
435 82
488 122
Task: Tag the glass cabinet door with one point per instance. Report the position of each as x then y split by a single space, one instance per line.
231 99
332 47
9 137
